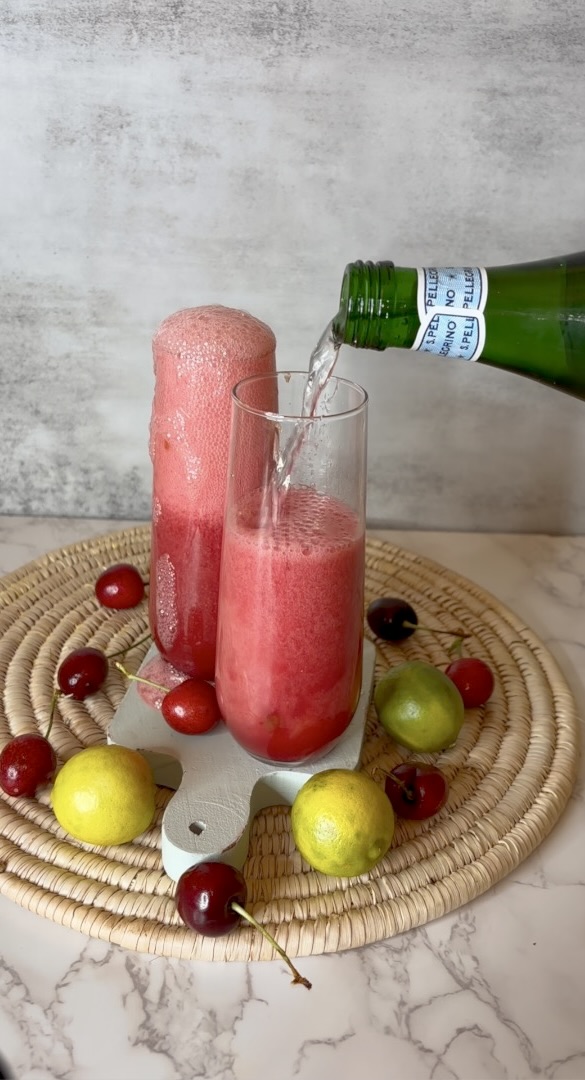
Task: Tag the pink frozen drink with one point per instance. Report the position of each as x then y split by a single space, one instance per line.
290 624
199 355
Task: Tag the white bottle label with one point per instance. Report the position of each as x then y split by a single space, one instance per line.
451 302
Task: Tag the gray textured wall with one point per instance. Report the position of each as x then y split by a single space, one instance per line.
159 154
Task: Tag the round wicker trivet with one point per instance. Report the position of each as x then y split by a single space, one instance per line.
511 772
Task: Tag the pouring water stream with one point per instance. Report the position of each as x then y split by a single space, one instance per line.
321 364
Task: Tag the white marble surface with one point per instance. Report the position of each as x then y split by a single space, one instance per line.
495 990
160 154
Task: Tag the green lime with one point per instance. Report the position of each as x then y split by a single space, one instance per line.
342 822
104 795
419 707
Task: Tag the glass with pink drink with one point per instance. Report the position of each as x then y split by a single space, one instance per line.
199 355
291 602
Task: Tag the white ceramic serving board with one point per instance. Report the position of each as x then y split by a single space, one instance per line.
220 787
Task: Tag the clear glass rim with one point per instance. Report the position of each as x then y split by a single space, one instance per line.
275 376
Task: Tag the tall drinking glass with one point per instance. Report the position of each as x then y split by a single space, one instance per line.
199 353
291 597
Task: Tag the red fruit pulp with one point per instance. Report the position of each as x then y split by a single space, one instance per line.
289 642
184 582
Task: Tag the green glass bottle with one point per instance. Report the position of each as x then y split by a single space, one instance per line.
527 318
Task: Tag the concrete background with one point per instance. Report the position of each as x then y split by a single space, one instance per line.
157 155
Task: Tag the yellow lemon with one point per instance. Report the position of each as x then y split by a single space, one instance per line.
419 707
342 822
104 795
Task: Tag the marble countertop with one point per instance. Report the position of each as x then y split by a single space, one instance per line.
496 989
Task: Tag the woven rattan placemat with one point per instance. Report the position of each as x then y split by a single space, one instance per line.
511 772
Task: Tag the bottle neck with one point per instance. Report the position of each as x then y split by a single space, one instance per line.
528 318
377 306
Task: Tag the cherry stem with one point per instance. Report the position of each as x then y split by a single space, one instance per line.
138 678
54 700
122 652
407 789
456 646
297 977
434 630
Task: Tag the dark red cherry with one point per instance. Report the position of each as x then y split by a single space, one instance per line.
391 619
82 672
27 763
210 899
416 790
191 707
474 680
205 894
120 586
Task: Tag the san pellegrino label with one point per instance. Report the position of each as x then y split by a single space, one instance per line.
451 302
